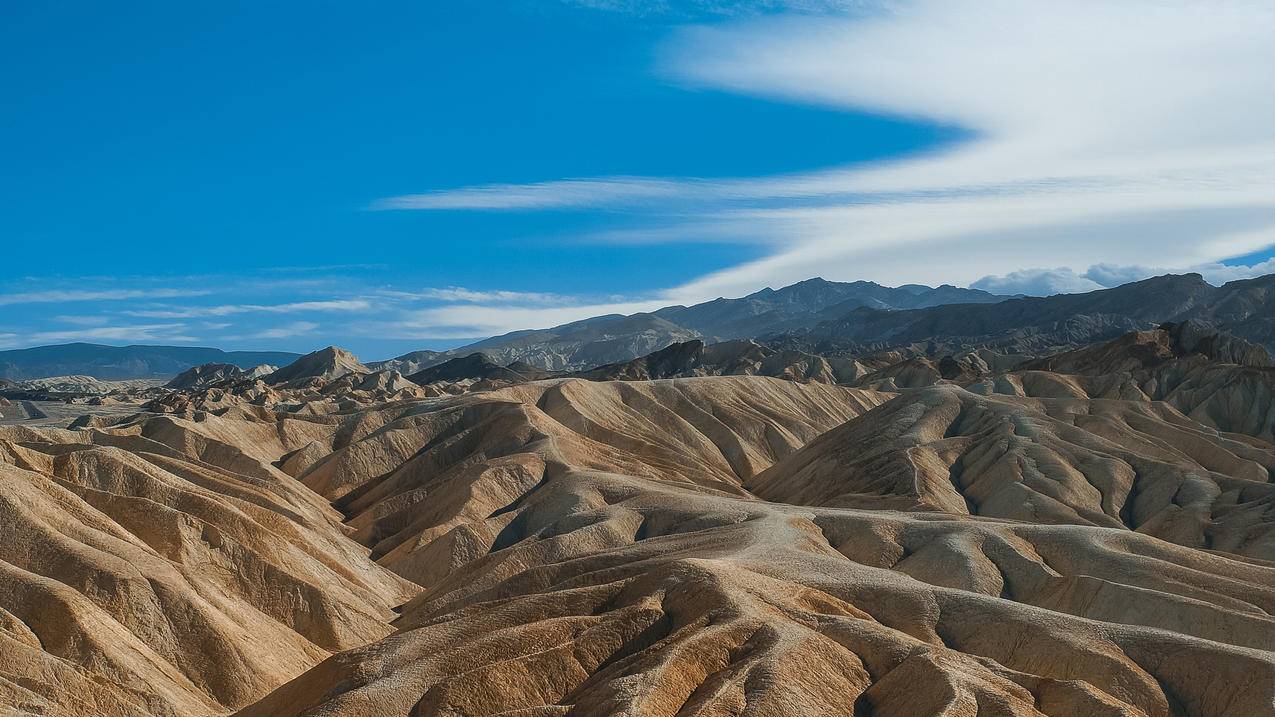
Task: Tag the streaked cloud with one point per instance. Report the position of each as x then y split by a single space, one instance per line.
190 312
459 293
465 320
58 296
563 194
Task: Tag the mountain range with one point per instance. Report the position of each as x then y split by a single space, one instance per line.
613 338
845 319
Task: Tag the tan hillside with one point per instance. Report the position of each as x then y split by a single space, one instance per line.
157 568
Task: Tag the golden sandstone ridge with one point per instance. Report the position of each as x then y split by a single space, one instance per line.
713 545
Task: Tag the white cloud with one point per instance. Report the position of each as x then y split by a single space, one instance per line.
59 296
1037 282
1109 275
1216 273
1102 132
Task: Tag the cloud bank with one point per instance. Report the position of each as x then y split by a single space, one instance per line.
1062 280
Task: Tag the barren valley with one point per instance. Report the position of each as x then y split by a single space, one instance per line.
711 529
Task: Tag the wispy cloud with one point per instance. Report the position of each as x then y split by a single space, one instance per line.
287 331
58 296
460 293
466 320
562 194
1121 133
143 332
190 312
729 8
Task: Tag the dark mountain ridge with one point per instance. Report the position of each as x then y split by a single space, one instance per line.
125 362
1038 325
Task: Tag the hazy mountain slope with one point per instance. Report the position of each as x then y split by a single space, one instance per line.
409 363
582 344
772 311
123 362
1245 308
478 366
741 357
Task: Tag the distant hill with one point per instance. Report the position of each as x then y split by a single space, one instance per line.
615 338
124 362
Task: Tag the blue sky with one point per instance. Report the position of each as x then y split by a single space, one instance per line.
405 175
